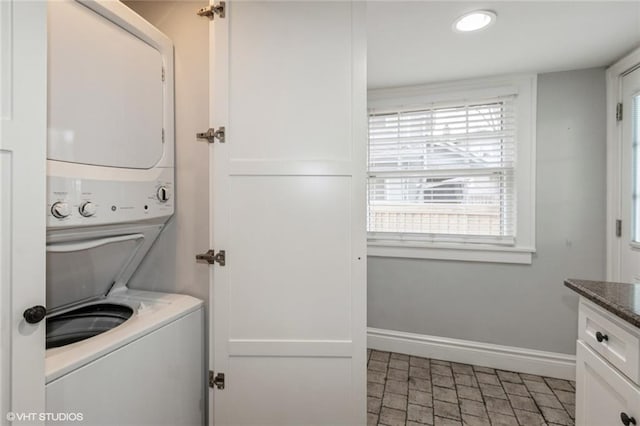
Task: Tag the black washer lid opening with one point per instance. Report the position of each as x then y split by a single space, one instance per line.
84 322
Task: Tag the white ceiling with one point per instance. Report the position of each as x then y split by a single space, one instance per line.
413 43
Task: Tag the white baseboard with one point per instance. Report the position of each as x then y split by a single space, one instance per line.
522 360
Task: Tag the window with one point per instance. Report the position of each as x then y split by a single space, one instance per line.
450 169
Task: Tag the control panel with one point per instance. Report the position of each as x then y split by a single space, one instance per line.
73 202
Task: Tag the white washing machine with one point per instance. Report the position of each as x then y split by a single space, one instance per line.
114 355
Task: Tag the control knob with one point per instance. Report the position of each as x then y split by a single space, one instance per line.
60 209
163 194
87 209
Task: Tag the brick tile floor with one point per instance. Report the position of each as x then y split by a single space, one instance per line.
408 391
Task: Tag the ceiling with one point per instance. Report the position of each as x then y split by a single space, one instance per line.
413 43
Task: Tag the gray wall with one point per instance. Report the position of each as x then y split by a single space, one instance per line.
170 265
519 305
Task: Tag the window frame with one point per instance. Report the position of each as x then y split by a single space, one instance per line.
525 89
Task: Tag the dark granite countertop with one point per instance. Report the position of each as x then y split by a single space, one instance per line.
620 299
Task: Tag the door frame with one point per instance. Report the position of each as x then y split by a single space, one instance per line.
614 76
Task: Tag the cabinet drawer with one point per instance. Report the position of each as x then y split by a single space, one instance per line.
603 395
610 338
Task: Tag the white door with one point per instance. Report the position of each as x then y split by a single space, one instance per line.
23 127
288 207
630 179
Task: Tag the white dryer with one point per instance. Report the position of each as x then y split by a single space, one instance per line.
114 355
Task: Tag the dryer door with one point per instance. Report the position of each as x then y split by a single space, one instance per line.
105 91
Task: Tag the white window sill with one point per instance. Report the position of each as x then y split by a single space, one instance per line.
451 251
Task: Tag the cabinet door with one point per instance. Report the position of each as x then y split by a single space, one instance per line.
23 130
603 394
288 207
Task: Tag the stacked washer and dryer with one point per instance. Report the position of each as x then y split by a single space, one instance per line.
115 355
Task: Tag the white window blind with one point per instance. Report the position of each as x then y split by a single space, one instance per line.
444 173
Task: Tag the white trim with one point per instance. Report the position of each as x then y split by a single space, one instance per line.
478 87
614 95
509 358
462 252
525 86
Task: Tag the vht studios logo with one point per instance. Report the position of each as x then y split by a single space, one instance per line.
44 417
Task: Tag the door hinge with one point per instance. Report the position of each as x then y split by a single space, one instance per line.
213 9
162 135
212 134
216 380
619 111
162 73
618 228
211 257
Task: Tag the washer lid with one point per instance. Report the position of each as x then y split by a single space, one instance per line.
85 266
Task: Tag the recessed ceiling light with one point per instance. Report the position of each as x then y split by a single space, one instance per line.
474 21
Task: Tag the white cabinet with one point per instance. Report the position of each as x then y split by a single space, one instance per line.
611 338
607 363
